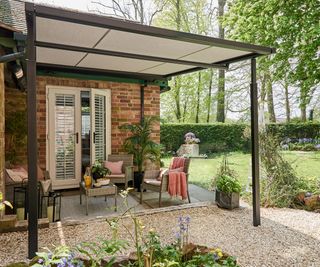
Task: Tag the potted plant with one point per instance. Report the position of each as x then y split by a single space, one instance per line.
8 221
140 144
227 187
98 170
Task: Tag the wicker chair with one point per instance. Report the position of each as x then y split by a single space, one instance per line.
150 182
127 169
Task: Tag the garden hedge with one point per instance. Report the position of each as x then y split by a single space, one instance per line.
221 137
295 130
213 137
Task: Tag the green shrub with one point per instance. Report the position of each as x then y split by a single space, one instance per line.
226 179
302 147
294 130
228 184
280 183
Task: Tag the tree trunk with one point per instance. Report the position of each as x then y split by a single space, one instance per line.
198 97
209 96
272 115
303 110
177 98
287 102
221 73
185 105
303 103
177 79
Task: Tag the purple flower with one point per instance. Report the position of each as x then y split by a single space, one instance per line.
177 235
40 261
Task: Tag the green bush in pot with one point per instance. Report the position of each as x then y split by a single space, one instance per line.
140 144
227 186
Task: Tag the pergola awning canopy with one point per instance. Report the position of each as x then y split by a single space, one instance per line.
60 39
90 42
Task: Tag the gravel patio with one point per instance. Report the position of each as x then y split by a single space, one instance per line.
286 238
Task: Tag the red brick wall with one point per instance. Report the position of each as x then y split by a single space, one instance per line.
125 108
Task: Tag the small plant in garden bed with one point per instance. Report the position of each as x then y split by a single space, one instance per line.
3 204
300 144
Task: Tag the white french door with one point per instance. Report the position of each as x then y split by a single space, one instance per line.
64 154
64 129
100 124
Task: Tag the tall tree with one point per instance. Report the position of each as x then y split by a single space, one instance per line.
209 96
290 26
198 97
143 11
221 73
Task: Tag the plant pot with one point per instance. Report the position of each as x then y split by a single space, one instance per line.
138 176
227 200
8 222
96 176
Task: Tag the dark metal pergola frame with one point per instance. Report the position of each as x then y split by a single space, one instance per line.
88 19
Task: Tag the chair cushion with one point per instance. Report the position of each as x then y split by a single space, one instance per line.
114 167
152 182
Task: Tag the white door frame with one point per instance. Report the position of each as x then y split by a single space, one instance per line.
107 94
50 165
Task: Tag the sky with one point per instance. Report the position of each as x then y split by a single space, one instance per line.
73 4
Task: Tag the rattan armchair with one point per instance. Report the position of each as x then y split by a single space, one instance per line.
127 169
150 182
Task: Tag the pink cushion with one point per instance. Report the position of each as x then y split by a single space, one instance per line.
114 167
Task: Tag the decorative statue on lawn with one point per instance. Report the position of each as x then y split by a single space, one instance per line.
191 146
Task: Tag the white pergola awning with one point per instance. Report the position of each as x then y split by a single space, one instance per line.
90 43
62 40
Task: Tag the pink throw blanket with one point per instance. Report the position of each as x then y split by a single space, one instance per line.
177 179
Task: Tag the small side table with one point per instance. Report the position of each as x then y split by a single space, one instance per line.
106 190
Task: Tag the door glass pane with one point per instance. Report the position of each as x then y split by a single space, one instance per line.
65 136
85 129
100 127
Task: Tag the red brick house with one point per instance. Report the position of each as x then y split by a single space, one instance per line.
64 105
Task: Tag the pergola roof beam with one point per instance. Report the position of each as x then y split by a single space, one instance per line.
74 69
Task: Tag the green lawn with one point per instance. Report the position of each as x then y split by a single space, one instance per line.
307 165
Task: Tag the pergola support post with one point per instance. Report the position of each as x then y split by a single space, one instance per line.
32 134
255 144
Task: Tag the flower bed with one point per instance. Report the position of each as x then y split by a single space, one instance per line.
149 251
